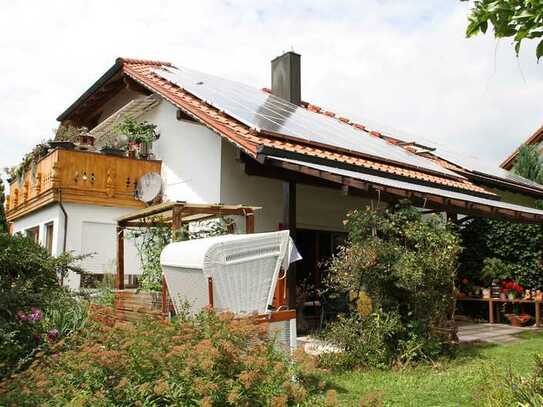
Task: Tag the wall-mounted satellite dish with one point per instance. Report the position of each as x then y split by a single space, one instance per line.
149 187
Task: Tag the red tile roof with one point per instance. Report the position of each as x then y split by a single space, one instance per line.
251 141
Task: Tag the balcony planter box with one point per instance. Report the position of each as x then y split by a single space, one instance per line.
86 140
113 151
65 145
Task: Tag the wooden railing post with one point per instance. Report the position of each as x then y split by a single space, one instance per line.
119 278
249 222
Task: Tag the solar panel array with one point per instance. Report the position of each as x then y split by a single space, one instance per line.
262 111
481 167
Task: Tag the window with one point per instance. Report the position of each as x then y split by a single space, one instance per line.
49 237
33 233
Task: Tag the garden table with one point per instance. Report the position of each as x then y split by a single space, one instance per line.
492 301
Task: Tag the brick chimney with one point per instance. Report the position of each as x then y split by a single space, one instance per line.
285 77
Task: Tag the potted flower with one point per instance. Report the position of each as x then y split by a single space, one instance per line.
140 135
511 289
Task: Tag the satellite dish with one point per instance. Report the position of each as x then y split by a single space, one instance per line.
149 187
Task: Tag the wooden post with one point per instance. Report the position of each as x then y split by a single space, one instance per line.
289 222
177 223
537 314
249 222
210 291
165 309
490 311
119 278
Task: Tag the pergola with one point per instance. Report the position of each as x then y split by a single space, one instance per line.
176 214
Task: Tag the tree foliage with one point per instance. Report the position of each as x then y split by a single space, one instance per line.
3 222
407 266
528 163
518 247
516 19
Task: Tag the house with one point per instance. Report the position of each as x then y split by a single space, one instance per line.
226 142
535 139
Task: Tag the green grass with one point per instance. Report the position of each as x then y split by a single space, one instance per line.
462 381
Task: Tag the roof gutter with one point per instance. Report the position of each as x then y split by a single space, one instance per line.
265 152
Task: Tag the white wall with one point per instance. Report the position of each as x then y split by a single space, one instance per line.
317 208
190 154
91 228
40 219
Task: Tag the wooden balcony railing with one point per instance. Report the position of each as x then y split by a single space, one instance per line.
78 177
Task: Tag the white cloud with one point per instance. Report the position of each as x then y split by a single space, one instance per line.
405 64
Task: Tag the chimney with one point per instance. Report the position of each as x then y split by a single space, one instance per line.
285 77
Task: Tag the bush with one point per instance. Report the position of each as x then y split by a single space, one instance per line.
518 247
31 300
206 360
407 266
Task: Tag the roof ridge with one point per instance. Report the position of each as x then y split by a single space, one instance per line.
137 61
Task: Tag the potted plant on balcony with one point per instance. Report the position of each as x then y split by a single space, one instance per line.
113 147
65 137
140 135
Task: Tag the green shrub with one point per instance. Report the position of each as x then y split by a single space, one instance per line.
510 250
32 301
206 360
407 266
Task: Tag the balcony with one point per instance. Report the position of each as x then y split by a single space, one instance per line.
78 177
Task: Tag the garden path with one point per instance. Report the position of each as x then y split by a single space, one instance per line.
500 334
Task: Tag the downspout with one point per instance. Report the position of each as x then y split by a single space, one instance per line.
65 219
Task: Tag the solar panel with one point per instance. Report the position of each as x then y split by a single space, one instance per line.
390 182
262 111
479 166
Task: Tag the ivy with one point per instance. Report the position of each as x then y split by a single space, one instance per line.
150 242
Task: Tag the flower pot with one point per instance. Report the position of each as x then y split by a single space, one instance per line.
132 154
65 145
519 320
503 296
486 292
113 151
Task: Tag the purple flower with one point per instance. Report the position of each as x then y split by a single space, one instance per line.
55 355
53 334
36 315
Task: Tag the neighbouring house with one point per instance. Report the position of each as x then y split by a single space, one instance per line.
226 142
536 139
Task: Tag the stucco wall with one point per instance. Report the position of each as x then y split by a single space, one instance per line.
317 208
82 219
190 154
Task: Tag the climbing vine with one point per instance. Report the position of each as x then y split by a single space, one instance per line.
150 242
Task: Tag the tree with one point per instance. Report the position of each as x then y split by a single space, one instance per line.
528 164
3 223
516 19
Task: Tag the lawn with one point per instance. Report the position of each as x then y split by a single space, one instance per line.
458 382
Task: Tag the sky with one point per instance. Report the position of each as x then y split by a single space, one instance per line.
402 65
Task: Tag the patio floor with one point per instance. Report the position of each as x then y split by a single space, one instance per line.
492 333
499 334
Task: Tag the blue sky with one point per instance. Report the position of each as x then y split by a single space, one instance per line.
402 65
